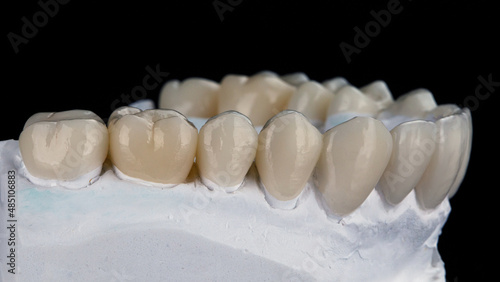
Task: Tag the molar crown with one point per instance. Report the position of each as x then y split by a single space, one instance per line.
153 146
64 148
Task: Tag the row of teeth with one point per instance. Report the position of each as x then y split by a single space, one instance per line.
369 140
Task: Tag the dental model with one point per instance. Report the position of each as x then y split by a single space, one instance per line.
282 179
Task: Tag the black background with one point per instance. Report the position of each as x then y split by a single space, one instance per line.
90 53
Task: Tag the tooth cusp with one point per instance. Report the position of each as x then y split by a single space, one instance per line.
295 79
335 84
379 92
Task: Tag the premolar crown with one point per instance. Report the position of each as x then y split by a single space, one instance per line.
445 166
413 147
227 145
312 100
347 103
289 147
354 156
194 97
155 146
63 147
258 97
379 92
411 106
